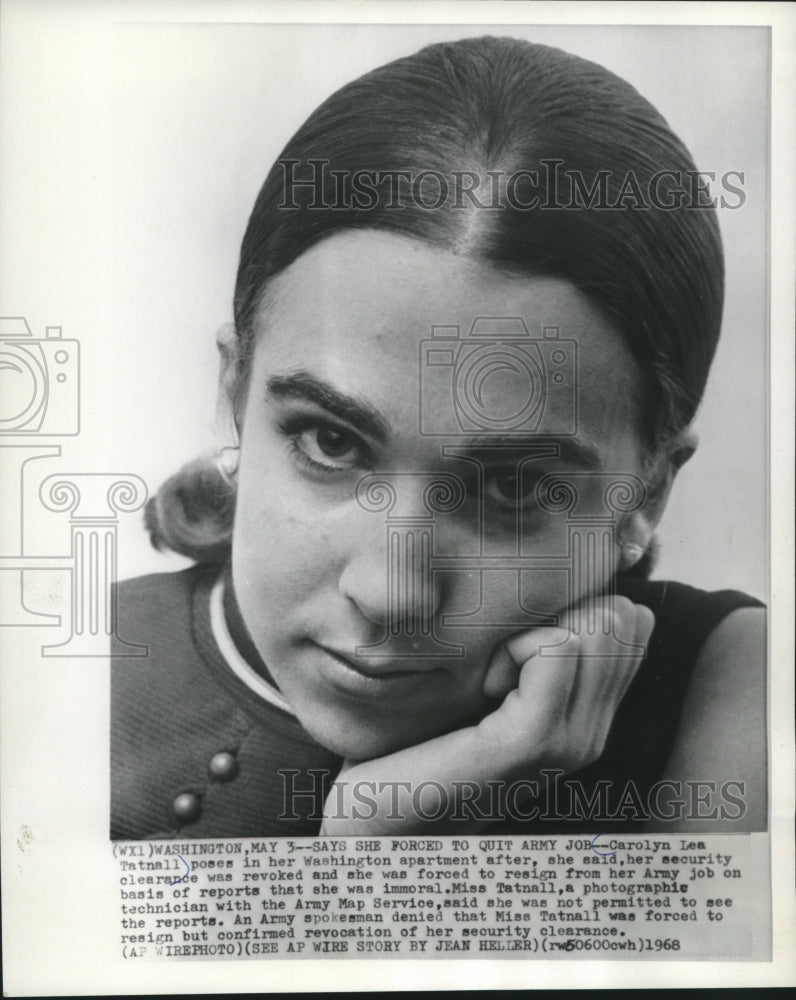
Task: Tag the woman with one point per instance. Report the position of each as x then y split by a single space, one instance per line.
479 294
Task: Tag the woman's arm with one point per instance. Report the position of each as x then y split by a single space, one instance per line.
556 713
722 733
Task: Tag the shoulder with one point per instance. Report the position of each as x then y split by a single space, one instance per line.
670 596
155 587
721 740
686 617
158 615
705 680
740 632
164 700
728 685
158 601
729 678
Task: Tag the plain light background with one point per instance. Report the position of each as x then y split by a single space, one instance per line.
201 112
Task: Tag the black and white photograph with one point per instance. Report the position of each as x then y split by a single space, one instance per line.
475 310
397 558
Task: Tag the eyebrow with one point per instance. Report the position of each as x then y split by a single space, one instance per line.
363 416
303 385
568 449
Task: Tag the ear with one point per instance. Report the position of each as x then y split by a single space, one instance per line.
228 345
637 529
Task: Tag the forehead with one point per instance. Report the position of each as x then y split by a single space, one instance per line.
362 311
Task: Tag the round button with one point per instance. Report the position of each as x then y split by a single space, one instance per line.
223 766
61 357
187 807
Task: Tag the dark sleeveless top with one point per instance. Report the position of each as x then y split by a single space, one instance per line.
195 752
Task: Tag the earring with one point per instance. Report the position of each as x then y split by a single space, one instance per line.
630 554
227 464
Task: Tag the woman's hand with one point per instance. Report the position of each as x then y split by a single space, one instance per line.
560 688
559 706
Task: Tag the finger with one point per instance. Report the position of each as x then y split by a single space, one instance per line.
611 617
605 614
532 711
645 622
526 645
502 673
634 622
605 678
548 679
588 615
618 649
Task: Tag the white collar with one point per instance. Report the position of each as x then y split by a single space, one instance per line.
237 664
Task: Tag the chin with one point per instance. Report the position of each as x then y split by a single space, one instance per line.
362 742
366 745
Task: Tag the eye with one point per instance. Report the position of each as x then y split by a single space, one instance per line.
334 443
329 447
508 489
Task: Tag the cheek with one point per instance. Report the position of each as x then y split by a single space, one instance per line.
577 560
545 592
559 566
278 545
501 603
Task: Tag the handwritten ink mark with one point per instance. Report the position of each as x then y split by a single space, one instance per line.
187 871
600 854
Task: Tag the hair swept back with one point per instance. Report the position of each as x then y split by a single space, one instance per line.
491 104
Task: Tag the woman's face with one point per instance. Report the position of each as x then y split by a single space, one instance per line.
343 385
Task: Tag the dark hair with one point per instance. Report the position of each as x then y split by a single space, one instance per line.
496 107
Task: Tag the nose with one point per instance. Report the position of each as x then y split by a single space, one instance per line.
388 575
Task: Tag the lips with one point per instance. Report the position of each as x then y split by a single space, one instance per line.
371 677
373 667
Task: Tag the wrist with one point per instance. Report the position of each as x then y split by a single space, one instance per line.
506 754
